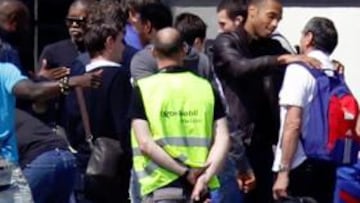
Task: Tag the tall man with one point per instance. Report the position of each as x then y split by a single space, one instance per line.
301 175
153 17
193 31
249 66
231 14
180 138
133 8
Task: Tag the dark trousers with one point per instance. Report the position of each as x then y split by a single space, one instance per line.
101 190
315 179
179 191
261 159
110 190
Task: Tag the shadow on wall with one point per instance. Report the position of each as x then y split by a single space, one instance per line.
305 3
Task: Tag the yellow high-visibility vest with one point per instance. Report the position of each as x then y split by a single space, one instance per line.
180 111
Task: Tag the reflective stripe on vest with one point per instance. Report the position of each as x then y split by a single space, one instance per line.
179 108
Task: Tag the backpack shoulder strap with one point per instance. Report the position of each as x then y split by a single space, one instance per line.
316 73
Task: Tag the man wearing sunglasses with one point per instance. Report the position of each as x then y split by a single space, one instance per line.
55 61
63 53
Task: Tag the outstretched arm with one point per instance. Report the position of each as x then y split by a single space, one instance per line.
42 91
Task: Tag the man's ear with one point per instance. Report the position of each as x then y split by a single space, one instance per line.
309 39
11 23
154 52
252 10
133 16
185 49
199 43
109 43
239 20
147 27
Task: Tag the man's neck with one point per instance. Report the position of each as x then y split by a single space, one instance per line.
100 58
163 63
249 29
307 50
80 47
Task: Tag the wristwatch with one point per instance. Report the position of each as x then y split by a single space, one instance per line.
283 168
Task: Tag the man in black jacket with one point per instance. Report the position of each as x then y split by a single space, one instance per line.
250 66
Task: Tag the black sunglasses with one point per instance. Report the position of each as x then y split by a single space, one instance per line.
78 20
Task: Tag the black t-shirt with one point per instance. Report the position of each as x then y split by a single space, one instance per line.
137 110
35 137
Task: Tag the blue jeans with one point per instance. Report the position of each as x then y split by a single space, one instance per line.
51 176
229 191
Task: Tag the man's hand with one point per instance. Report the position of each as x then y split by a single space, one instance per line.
201 187
194 174
53 73
339 67
280 186
309 61
246 181
92 79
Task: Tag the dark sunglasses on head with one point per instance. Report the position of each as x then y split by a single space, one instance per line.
78 20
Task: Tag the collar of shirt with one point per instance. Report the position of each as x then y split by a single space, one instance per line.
100 63
173 69
325 60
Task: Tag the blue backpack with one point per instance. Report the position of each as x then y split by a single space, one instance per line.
347 188
333 112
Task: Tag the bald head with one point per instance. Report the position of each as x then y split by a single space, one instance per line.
14 15
168 43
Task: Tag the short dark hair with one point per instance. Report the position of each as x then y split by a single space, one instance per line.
325 36
190 27
168 48
106 19
158 14
233 8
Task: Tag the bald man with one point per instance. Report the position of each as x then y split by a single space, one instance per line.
14 16
181 136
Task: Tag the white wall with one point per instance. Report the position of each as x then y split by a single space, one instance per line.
346 19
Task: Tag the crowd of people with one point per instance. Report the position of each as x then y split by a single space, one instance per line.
139 106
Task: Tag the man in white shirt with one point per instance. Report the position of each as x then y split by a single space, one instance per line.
297 174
